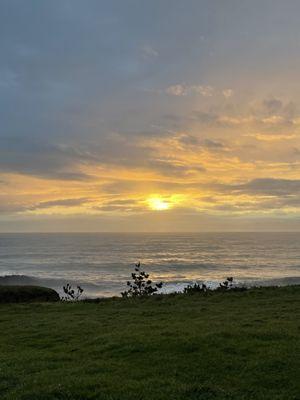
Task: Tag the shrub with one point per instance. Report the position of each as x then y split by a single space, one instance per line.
226 285
24 294
196 288
70 294
141 285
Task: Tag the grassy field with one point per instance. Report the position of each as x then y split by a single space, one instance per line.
223 346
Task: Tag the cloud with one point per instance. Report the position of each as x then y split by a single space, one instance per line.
148 52
8 79
60 203
205 91
174 168
185 90
189 140
270 137
271 186
12 208
177 90
9 208
124 206
182 89
272 106
135 107
206 117
213 144
130 187
264 195
261 186
39 158
274 120
227 93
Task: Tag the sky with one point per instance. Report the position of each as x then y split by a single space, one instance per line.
162 115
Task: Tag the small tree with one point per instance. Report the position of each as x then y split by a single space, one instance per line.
71 294
140 285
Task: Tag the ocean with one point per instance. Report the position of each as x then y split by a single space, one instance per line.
102 262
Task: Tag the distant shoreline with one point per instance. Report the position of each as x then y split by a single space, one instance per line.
168 288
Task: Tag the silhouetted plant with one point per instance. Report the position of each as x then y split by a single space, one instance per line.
196 288
71 294
226 285
140 285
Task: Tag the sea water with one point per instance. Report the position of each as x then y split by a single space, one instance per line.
102 262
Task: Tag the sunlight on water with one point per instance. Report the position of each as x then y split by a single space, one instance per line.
102 263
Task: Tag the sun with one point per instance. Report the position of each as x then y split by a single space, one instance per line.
158 204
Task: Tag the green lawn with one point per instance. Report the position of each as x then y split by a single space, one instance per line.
223 346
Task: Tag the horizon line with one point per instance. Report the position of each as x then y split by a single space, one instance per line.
145 232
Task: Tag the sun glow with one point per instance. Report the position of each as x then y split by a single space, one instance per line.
158 204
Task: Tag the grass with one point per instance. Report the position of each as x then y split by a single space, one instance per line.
224 346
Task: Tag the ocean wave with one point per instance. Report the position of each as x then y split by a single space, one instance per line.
108 289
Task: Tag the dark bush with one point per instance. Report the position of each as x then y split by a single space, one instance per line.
196 288
23 294
141 285
226 285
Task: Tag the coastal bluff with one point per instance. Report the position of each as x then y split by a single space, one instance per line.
27 294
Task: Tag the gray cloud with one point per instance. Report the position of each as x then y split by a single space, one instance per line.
82 85
270 186
189 140
126 205
213 144
62 161
261 187
125 187
270 194
206 117
172 168
272 106
39 158
60 203
9 208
